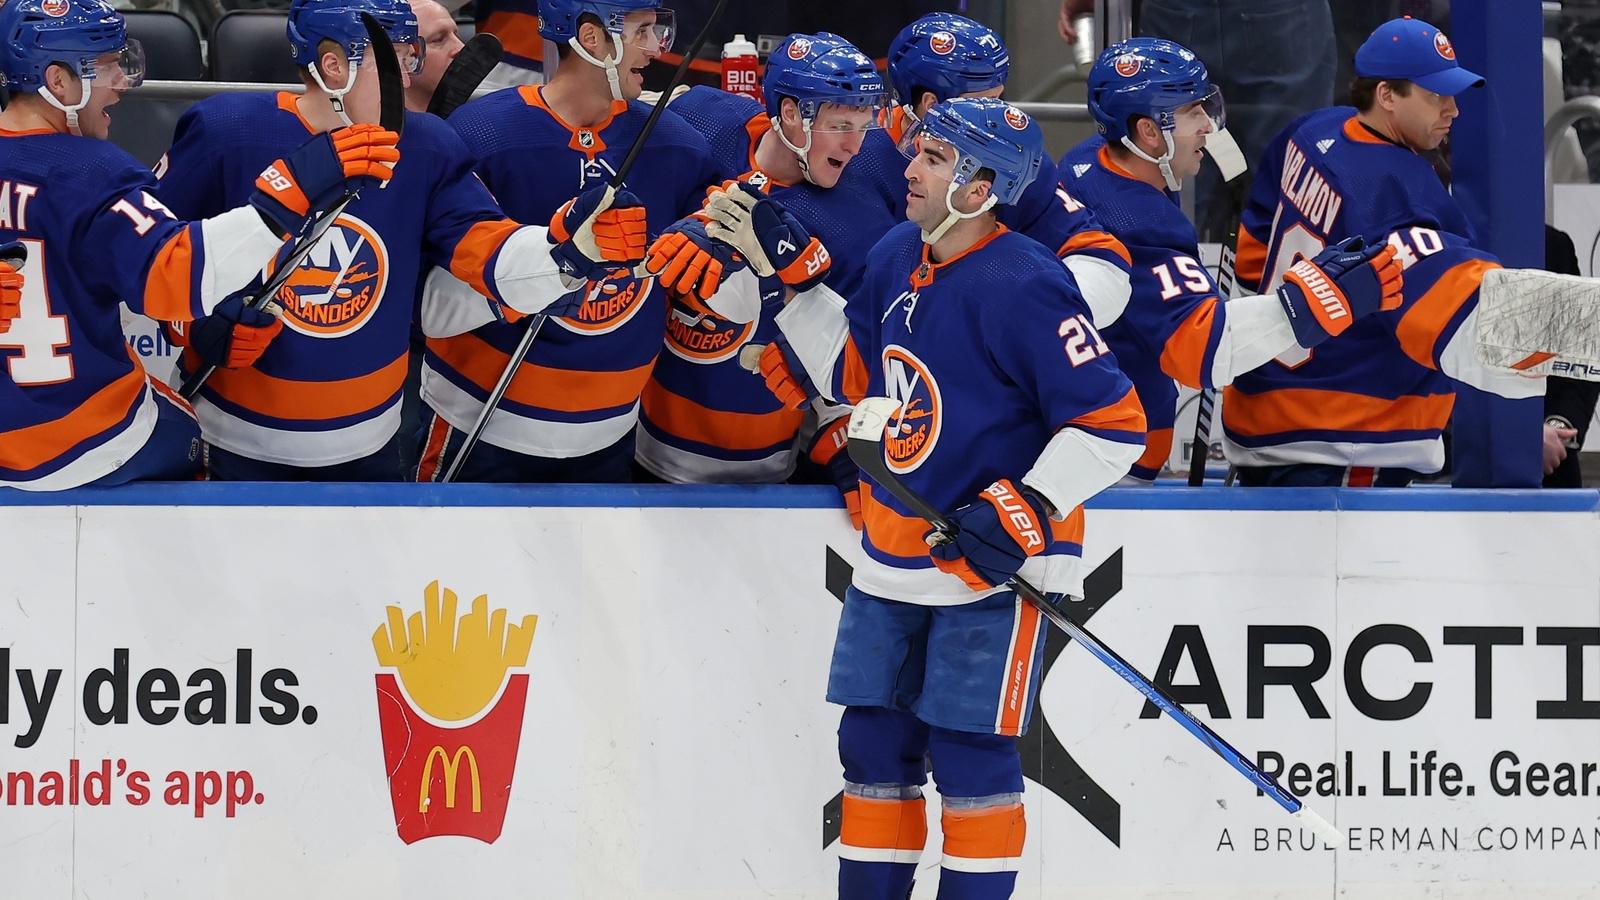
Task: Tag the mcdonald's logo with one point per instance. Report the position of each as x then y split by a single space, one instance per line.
455 683
452 767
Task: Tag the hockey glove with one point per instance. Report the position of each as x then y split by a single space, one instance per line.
827 450
998 532
309 180
769 236
234 335
592 236
1327 293
786 378
689 263
13 256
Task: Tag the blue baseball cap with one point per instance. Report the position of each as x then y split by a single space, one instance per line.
1415 51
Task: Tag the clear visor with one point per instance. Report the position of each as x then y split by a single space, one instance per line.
846 115
120 70
1204 116
409 54
940 155
640 30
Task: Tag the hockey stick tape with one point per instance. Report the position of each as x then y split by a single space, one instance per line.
1225 152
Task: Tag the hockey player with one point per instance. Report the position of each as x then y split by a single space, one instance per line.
1154 107
322 402
1369 408
1013 413
703 418
569 414
76 406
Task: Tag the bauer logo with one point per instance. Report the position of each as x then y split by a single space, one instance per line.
54 8
1016 118
799 47
339 284
913 432
1128 65
609 303
1442 44
704 339
450 710
942 42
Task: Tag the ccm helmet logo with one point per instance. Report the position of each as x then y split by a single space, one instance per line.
799 47
942 42
54 8
1127 65
1016 118
1442 44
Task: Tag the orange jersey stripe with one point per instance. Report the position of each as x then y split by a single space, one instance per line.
1157 447
1421 325
282 398
1014 695
1304 409
900 535
1184 356
996 833
518 33
687 419
883 824
562 390
855 373
1126 414
169 286
34 445
1250 259
476 249
1095 240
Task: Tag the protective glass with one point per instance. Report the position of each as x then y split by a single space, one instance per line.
646 34
121 70
942 157
410 55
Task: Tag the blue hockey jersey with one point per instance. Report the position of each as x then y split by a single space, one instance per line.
704 418
578 390
993 358
327 390
1381 393
75 403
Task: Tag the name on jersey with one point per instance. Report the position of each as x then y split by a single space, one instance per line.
1307 191
14 197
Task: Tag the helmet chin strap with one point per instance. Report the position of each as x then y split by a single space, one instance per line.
609 64
1164 163
336 97
71 111
801 154
953 215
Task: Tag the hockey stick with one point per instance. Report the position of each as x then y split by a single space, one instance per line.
1231 162
536 321
1539 323
392 117
867 427
468 70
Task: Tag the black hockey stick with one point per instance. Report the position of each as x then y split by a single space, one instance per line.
468 70
536 322
868 423
1200 449
392 117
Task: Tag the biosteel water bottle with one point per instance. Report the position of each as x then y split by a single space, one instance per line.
741 67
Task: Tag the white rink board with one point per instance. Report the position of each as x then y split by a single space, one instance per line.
674 743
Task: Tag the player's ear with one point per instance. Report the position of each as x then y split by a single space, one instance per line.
925 102
592 35
331 63
978 190
789 112
61 83
1149 137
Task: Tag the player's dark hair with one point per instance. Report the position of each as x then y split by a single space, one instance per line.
1364 91
564 50
916 95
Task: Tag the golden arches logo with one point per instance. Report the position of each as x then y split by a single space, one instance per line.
452 768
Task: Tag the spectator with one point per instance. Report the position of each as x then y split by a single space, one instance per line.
442 41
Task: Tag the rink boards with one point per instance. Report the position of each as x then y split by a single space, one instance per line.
193 703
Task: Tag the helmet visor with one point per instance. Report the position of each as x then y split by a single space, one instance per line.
647 28
1208 115
845 115
409 53
940 155
122 69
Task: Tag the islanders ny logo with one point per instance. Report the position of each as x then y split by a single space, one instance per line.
703 338
912 433
452 719
339 284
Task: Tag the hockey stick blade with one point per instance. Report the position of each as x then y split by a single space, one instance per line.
866 432
1539 323
468 70
492 402
392 117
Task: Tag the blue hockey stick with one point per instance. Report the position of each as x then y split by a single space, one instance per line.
867 425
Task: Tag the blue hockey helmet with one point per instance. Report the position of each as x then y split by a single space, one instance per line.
313 21
813 69
986 133
558 19
35 34
947 54
1152 78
